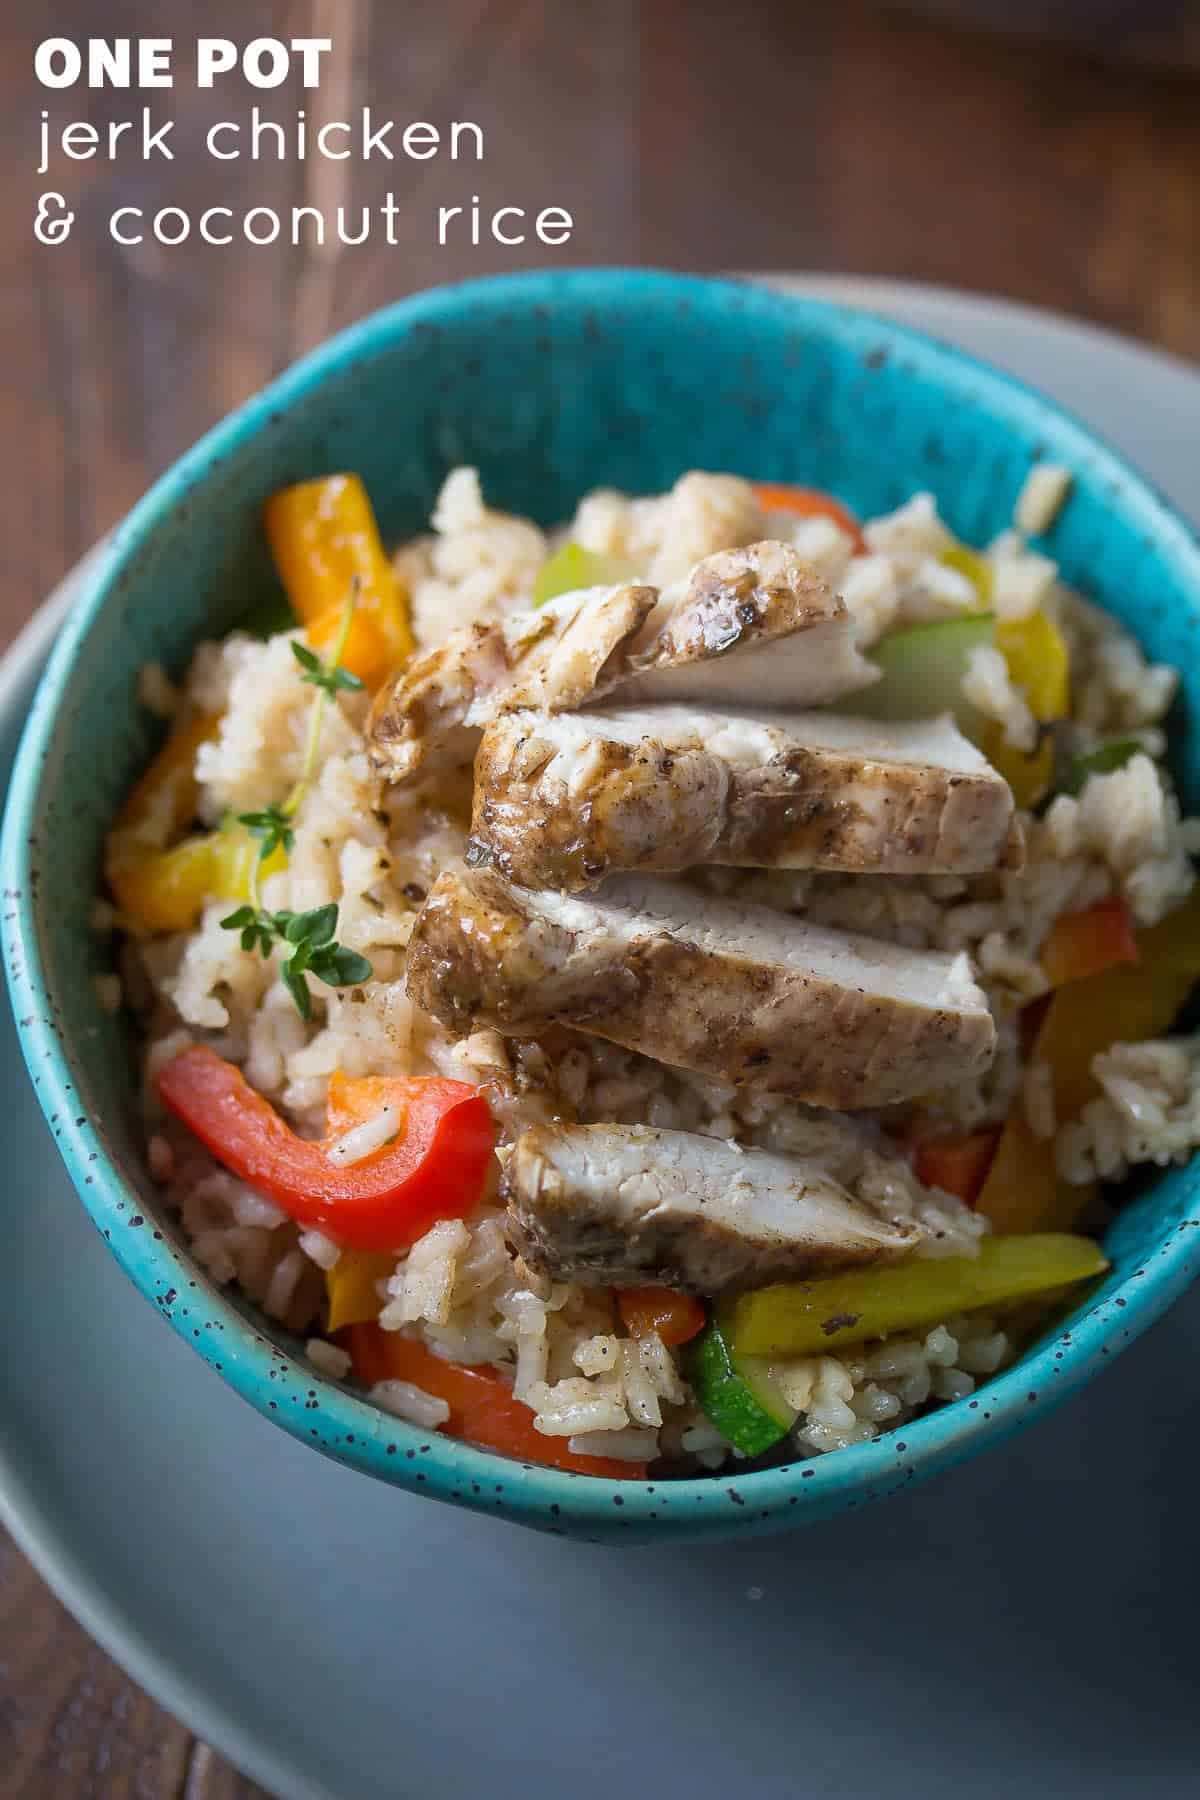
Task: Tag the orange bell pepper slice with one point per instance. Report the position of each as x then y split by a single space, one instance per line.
1086 943
482 1408
322 535
957 1165
677 1318
1124 1003
809 503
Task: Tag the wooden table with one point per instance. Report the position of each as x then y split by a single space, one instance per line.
690 133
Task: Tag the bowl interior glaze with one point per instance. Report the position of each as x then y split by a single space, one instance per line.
551 385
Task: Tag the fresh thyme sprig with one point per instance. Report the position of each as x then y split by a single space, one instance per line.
308 936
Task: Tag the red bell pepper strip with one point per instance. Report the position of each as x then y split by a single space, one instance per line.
482 1408
957 1165
435 1167
676 1317
1086 943
808 503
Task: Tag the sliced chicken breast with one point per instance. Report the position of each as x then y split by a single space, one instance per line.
738 606
756 627
429 715
743 993
563 800
615 1205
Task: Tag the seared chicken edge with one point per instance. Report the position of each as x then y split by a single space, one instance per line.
612 1205
746 624
742 993
563 801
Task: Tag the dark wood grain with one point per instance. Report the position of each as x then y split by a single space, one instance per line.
696 133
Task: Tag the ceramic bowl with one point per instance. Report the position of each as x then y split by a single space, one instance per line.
550 384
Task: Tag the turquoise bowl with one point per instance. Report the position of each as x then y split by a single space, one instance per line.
551 384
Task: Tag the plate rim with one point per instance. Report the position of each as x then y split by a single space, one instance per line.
42 1535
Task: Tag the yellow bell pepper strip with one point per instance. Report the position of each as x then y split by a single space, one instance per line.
808 503
161 885
434 1168
572 567
976 568
322 535
923 668
1039 663
1086 943
738 1394
483 1410
677 1318
957 1165
166 890
1125 1003
803 1318
161 890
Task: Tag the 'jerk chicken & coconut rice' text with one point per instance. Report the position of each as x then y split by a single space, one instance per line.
667 991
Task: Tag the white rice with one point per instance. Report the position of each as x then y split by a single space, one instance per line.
410 1403
365 1139
327 1359
989 687
458 1290
1038 504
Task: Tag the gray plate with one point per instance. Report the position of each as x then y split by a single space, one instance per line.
1025 1623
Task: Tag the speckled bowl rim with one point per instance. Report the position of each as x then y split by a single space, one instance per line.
328 1417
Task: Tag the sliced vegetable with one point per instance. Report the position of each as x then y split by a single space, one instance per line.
160 884
957 1165
572 567
368 652
923 668
976 568
434 1168
1100 761
1086 943
1024 1190
1039 664
800 1318
352 1285
808 503
677 1318
166 890
738 1395
322 535
1126 1003
482 1408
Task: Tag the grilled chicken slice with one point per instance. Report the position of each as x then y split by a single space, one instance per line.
739 606
429 715
561 801
742 993
616 1205
755 626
